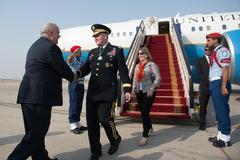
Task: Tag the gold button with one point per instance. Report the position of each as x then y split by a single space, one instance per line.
96 74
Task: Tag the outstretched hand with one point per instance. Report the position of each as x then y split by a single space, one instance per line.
128 96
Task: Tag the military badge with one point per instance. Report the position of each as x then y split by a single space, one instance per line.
113 52
107 64
100 58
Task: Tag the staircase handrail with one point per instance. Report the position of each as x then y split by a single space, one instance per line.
133 50
132 58
184 64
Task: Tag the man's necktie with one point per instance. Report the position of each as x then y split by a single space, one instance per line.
101 49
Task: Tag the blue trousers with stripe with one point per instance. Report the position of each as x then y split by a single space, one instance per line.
76 93
221 106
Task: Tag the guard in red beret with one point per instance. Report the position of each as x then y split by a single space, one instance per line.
214 35
76 92
74 48
220 88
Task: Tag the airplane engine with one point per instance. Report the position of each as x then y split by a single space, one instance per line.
231 41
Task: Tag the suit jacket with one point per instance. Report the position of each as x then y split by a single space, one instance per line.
103 82
44 70
203 72
150 70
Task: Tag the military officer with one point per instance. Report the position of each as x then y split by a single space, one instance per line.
103 63
220 88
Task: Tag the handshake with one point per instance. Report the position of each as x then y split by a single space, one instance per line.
77 74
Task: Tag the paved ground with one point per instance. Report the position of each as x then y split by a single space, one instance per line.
172 140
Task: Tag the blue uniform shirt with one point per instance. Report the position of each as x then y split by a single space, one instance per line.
223 56
75 65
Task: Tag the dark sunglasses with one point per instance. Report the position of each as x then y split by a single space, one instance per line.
207 49
140 53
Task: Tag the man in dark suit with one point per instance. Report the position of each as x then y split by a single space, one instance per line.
104 62
40 89
203 72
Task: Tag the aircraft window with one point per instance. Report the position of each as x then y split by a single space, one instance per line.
224 26
130 33
124 34
208 28
118 34
112 34
200 28
193 29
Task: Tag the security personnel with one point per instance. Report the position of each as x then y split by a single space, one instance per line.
103 63
203 72
220 88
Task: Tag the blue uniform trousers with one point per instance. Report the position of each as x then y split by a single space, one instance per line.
76 93
221 106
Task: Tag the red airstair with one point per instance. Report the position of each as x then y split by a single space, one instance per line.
170 101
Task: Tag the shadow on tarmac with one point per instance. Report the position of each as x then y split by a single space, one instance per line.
17 138
159 137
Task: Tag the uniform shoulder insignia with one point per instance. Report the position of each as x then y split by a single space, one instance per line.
224 52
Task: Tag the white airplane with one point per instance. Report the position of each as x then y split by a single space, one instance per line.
186 33
193 28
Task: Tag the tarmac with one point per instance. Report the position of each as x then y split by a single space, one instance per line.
171 140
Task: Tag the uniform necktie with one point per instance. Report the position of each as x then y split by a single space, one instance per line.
101 49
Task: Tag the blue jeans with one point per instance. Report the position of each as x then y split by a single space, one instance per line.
76 93
221 106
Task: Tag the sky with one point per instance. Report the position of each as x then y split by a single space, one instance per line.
21 21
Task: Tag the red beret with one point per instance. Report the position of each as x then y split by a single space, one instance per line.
74 48
214 35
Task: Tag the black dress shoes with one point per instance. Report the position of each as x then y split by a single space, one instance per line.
114 147
212 139
95 156
219 143
76 131
83 128
202 127
53 159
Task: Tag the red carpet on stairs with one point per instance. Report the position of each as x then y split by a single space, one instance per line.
170 101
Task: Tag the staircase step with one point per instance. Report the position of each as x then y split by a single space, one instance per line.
157 115
168 74
171 86
166 69
168 80
169 99
160 107
168 92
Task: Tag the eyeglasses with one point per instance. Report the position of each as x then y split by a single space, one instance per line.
207 49
140 53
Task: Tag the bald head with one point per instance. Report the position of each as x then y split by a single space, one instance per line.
51 32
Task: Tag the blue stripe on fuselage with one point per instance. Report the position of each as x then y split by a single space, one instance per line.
194 52
85 54
235 40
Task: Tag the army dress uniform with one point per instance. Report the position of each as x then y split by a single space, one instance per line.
103 64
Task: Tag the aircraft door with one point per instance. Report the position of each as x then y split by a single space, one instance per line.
163 27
